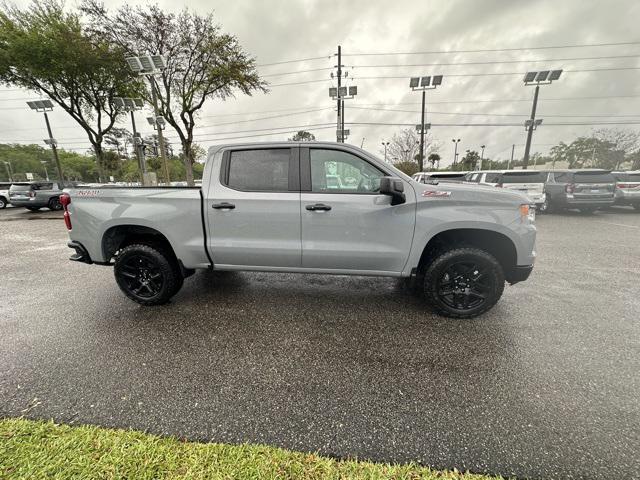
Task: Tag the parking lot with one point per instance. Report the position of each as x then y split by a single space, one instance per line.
544 385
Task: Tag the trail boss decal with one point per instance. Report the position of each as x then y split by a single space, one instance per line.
435 193
88 193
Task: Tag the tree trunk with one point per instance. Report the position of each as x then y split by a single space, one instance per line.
97 147
188 162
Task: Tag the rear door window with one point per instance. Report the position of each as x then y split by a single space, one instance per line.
263 170
562 177
523 177
492 177
593 177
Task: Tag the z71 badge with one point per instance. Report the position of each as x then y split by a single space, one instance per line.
88 193
435 193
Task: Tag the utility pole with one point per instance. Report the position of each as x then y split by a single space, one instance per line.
340 133
481 156
543 77
421 155
9 170
510 162
340 94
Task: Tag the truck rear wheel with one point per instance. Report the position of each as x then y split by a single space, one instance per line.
463 282
147 275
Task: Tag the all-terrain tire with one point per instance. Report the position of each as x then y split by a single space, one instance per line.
147 275
474 276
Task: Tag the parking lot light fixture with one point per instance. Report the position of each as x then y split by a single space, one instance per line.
44 106
537 78
455 151
423 84
131 105
151 66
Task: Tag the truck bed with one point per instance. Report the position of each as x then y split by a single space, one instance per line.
174 212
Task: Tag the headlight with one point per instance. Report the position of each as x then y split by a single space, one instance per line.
527 213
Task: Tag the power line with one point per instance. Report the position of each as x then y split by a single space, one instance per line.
309 59
494 62
512 49
296 72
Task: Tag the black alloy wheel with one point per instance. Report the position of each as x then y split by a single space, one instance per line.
463 282
142 276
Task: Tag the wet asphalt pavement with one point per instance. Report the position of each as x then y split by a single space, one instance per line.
546 385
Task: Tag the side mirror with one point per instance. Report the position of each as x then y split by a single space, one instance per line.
393 187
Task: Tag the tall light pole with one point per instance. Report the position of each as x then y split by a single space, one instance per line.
7 165
481 156
150 66
342 94
385 145
423 84
131 105
543 77
45 106
46 173
455 151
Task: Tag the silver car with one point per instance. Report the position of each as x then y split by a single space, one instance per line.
627 190
36 195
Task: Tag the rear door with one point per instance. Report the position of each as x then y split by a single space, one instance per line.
353 227
254 209
593 185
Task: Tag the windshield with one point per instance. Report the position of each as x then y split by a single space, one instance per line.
21 187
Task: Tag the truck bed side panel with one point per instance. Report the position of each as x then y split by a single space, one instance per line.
174 212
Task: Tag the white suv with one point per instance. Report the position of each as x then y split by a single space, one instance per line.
4 194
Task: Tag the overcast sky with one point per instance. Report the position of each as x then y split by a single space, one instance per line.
274 31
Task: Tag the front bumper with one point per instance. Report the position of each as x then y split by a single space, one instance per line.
519 273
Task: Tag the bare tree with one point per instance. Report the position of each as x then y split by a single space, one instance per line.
404 146
202 62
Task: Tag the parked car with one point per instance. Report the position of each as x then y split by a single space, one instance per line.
529 182
35 195
627 188
269 207
585 190
4 194
483 177
430 177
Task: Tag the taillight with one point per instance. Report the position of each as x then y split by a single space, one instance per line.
65 200
569 188
32 194
499 185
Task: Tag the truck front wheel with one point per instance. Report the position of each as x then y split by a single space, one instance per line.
147 275
463 282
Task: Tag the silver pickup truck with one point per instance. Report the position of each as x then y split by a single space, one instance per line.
276 207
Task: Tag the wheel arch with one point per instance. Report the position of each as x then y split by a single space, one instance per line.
497 244
118 237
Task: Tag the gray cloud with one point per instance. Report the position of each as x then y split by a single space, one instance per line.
281 30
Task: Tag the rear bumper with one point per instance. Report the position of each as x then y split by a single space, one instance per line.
519 273
627 198
81 254
589 202
25 202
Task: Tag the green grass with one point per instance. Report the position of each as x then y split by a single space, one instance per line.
38 449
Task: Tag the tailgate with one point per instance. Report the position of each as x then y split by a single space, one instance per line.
593 190
527 188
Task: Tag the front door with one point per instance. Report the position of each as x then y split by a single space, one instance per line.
253 209
346 224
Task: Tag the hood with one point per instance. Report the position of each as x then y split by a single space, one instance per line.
468 193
